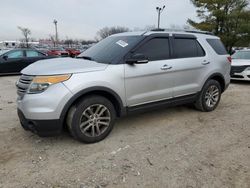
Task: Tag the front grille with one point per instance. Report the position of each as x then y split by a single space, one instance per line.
237 69
237 76
64 54
23 85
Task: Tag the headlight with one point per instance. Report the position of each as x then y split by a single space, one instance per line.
41 83
247 69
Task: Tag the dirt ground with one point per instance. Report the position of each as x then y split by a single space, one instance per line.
176 147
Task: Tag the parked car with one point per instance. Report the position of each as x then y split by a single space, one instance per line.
122 74
241 65
83 48
13 61
43 50
73 52
58 52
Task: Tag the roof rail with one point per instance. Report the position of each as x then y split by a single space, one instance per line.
158 29
199 31
184 30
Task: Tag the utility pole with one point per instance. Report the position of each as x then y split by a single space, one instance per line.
56 39
159 11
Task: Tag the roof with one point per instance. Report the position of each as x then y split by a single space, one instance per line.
197 33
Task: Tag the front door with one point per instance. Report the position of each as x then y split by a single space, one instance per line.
152 81
12 62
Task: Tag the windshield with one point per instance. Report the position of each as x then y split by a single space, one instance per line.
241 55
110 49
3 51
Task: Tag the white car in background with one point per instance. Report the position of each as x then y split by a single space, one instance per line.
240 69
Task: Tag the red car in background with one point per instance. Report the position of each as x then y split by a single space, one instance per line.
73 52
58 52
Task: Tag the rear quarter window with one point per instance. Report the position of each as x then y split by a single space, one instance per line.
218 46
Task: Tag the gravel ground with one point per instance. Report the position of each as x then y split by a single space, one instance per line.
176 147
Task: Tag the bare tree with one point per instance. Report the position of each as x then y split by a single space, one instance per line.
86 42
146 28
26 32
69 42
107 31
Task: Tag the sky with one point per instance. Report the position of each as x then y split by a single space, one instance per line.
81 19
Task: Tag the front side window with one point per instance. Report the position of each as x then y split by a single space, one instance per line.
186 48
15 54
155 49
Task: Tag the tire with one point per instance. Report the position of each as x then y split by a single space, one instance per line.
211 92
92 119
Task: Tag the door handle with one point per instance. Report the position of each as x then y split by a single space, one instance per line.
205 62
166 67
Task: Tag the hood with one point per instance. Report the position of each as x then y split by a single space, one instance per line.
240 62
62 66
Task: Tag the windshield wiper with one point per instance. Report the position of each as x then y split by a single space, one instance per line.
85 57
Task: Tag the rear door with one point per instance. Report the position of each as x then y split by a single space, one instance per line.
150 82
12 63
190 64
32 56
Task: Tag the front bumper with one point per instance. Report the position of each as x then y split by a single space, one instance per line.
245 75
43 128
47 105
41 113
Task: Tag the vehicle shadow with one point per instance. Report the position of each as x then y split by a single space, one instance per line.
124 126
9 75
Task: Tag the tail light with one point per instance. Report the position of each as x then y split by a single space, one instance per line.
229 59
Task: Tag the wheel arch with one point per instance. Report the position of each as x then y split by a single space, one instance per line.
102 91
219 78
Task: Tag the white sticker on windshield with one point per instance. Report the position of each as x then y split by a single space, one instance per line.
122 43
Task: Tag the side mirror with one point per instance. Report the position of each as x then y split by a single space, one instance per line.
137 59
5 57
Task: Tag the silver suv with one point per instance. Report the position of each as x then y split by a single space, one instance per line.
122 74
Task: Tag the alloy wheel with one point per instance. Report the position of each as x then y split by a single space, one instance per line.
95 120
212 96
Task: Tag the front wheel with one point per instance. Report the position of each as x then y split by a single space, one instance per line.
209 97
92 119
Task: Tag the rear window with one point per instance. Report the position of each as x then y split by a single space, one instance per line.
218 46
185 48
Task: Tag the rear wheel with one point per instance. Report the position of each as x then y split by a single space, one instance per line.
209 97
92 119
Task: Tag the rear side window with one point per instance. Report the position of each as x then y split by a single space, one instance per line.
155 49
185 48
31 53
218 46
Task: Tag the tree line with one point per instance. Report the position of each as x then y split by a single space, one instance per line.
228 19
